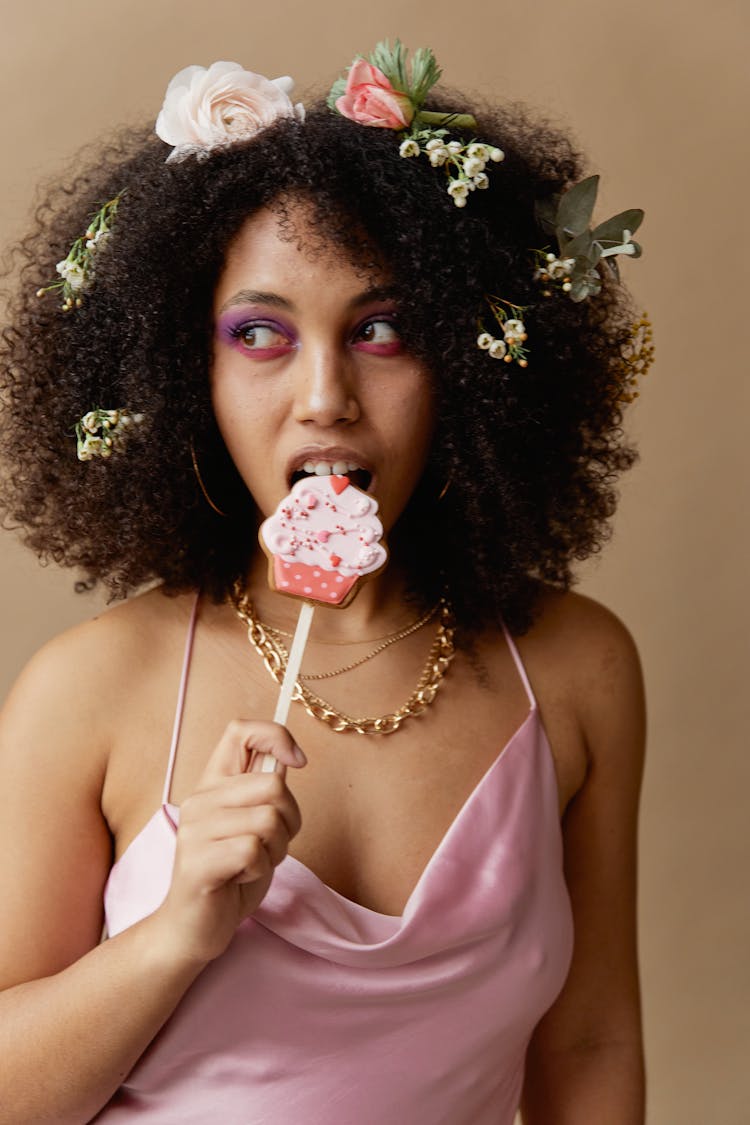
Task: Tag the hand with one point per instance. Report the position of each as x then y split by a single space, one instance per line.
234 830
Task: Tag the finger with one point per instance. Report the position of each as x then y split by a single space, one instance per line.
245 859
241 740
224 861
266 822
202 814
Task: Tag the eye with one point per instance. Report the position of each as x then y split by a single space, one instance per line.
260 337
379 335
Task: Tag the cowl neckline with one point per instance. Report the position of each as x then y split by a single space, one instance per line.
477 871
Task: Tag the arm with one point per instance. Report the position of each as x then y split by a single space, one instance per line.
585 1063
75 1015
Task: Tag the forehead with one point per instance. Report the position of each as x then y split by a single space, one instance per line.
285 248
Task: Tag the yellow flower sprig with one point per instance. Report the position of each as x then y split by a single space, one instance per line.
635 358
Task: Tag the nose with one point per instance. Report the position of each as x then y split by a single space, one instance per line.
324 389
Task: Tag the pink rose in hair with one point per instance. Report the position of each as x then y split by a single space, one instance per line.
370 99
206 108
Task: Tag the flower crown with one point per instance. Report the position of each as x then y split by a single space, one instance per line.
209 109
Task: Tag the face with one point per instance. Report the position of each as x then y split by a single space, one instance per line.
309 372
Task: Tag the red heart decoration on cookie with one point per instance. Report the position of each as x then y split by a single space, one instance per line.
338 484
335 559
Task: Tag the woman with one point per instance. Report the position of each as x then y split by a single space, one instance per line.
392 931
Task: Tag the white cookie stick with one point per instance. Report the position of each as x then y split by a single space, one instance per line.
269 764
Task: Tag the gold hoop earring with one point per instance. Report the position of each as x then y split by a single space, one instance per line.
201 485
446 486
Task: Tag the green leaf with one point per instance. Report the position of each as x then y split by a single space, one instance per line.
337 91
425 72
577 206
578 247
579 290
612 230
392 62
545 211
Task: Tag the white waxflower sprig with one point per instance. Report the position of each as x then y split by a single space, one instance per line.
77 269
100 433
552 270
511 347
464 163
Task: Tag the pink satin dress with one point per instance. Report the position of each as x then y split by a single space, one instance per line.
323 1012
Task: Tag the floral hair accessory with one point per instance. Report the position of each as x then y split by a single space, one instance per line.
385 94
635 358
205 109
100 433
77 270
508 318
575 268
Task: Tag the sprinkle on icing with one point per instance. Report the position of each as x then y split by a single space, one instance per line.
324 526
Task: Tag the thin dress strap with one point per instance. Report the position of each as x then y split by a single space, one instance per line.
519 665
180 702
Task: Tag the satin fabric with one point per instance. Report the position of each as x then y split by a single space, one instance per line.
323 1012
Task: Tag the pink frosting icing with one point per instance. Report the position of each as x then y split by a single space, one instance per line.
325 524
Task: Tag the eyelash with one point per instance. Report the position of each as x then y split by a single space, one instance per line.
238 332
392 347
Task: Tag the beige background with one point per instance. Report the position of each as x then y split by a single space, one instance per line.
655 92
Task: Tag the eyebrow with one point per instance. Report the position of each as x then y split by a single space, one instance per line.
259 297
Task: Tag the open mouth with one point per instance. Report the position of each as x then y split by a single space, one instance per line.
362 478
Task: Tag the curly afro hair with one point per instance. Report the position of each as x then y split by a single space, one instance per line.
532 455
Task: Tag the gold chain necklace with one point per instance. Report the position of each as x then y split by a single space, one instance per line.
391 639
275 656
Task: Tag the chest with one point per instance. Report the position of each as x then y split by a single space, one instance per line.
374 808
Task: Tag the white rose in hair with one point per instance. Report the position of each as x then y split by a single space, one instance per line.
207 108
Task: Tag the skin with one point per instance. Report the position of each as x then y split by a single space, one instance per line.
89 776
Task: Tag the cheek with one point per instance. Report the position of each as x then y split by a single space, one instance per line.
407 427
237 396
415 415
245 416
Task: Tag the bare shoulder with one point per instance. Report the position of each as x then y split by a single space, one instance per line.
593 645
73 686
581 624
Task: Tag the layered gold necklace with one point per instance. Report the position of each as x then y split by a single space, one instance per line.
268 644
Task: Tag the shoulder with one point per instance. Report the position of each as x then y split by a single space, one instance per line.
129 635
590 656
590 647
75 684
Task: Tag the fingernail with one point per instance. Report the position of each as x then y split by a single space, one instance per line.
298 755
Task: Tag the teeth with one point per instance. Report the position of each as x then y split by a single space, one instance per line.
325 468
